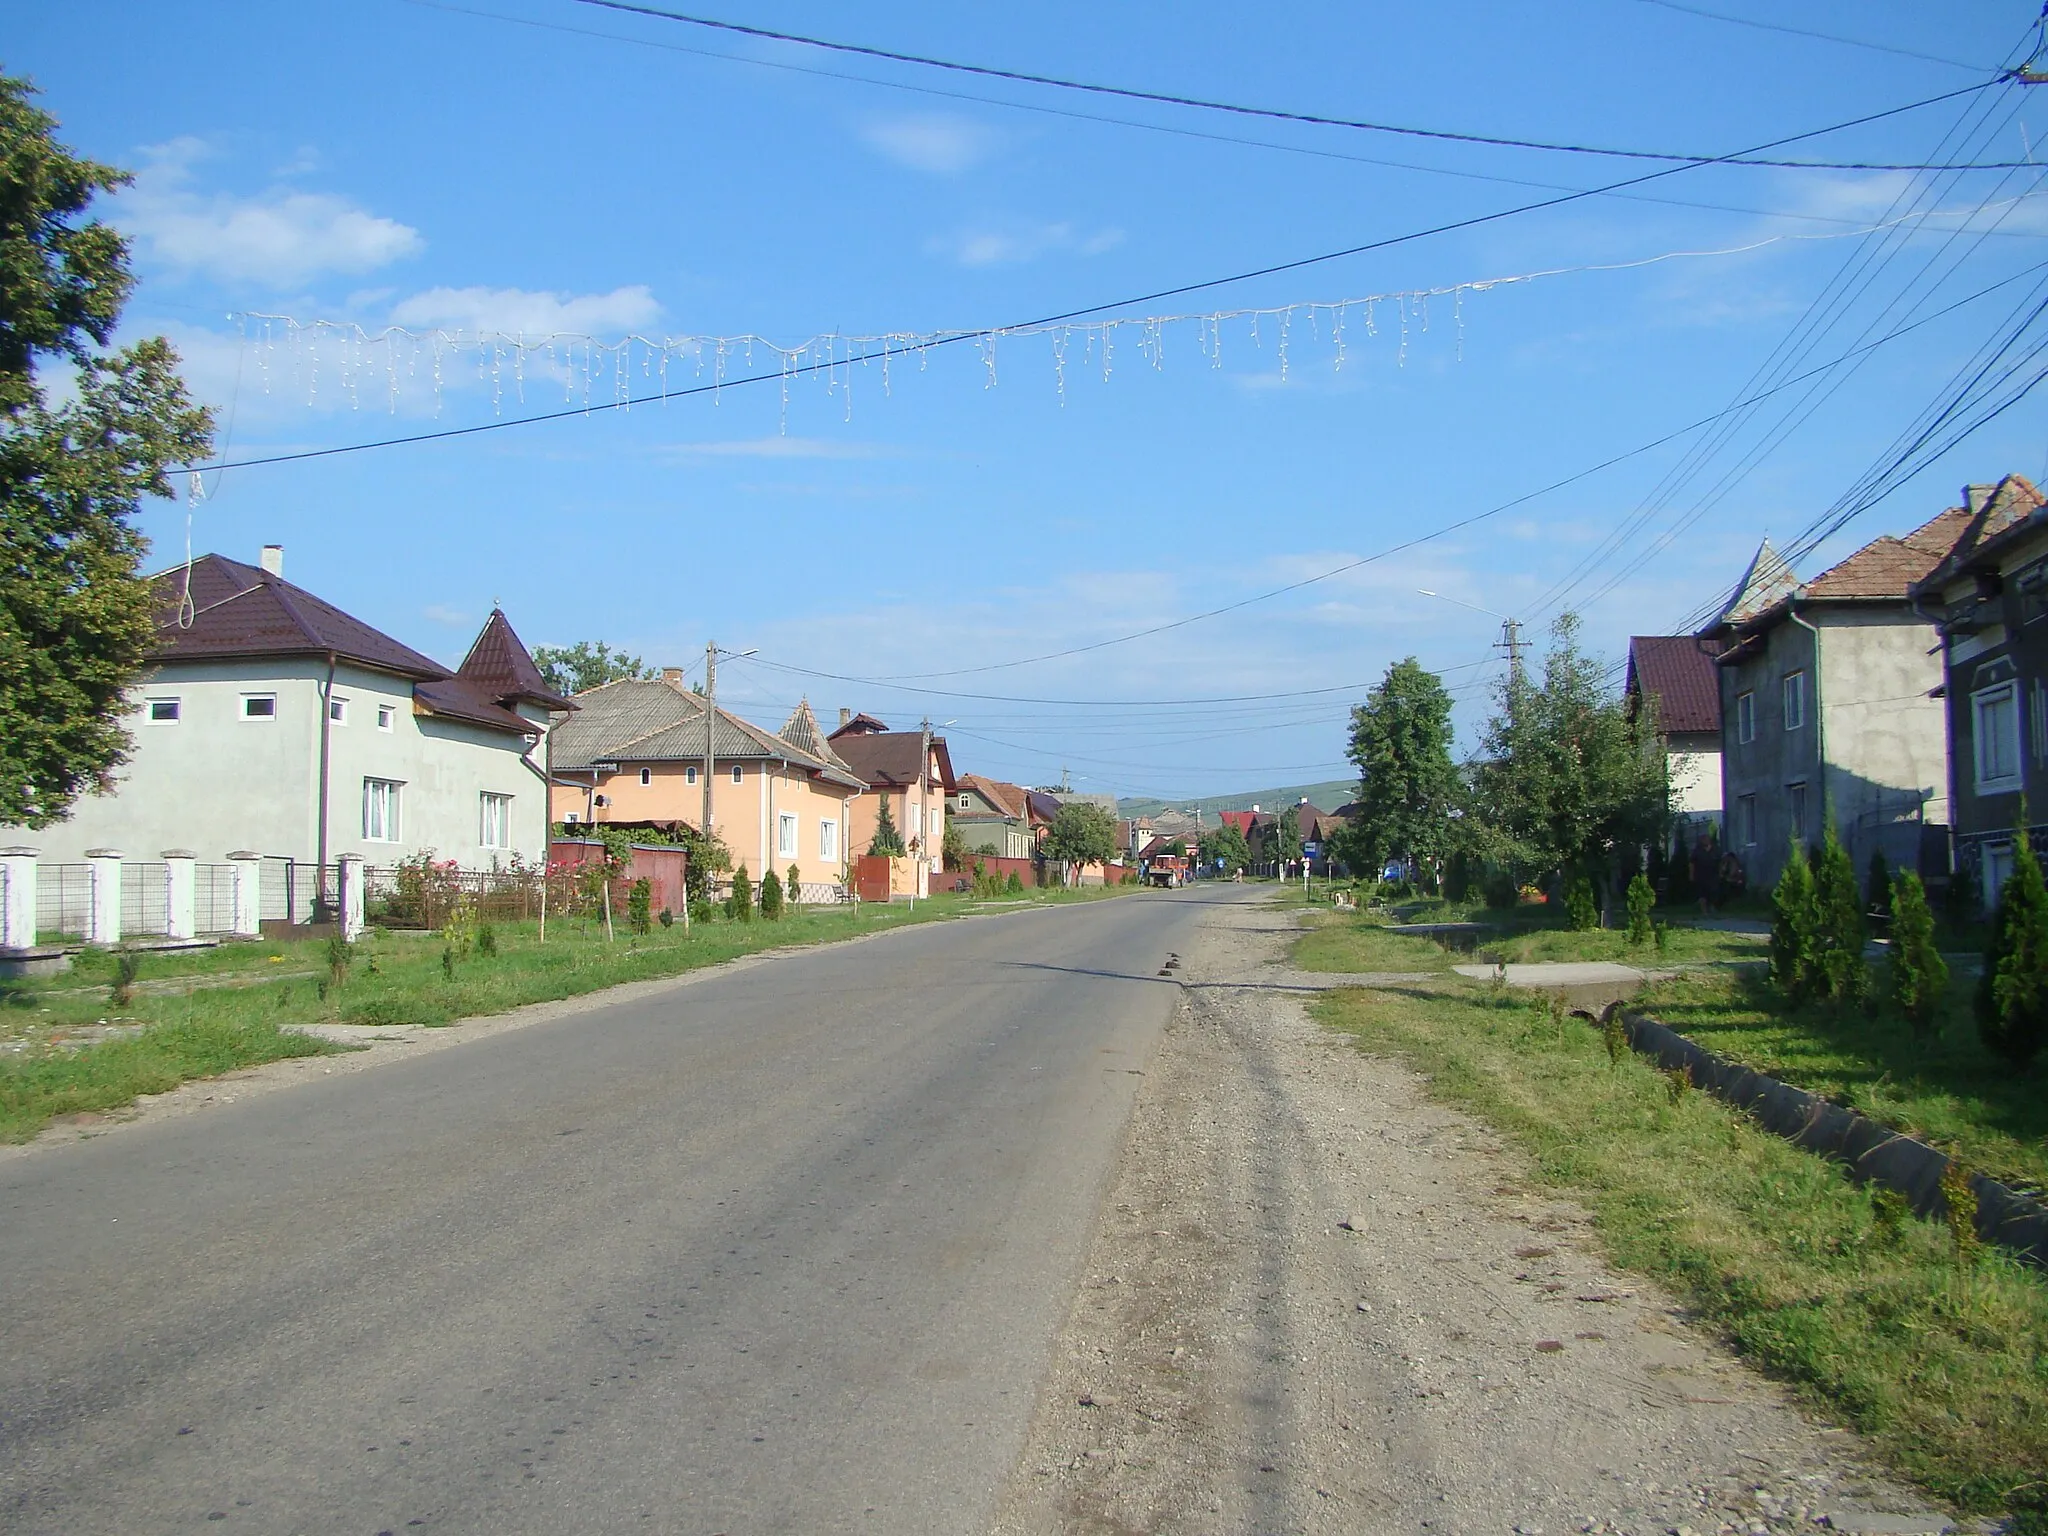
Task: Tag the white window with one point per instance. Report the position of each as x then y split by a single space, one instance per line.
828 841
1996 737
738 774
646 776
1795 796
690 775
913 817
2038 720
1745 821
380 810
165 711
1997 870
785 834
385 715
1745 717
337 709
495 819
963 801
259 706
1795 700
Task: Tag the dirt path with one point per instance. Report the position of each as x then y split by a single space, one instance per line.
1318 1302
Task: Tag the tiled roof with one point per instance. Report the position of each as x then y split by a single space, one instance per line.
501 666
1679 674
1041 806
1887 567
2002 510
650 720
860 725
801 730
1007 799
242 610
1242 820
1768 580
889 759
456 698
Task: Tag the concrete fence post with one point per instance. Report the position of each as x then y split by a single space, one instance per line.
17 898
248 893
103 921
350 871
181 867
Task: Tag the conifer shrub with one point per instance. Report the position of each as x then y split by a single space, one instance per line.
1838 931
793 886
639 906
1458 877
771 896
2012 994
1878 889
1579 909
1792 928
486 942
1919 975
1642 897
1013 886
739 906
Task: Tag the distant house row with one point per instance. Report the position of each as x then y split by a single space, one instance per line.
1904 689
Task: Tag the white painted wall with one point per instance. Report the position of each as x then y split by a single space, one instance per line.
215 782
1694 765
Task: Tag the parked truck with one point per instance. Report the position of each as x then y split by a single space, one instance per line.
1167 870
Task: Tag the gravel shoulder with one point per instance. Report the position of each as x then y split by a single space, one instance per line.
1317 1301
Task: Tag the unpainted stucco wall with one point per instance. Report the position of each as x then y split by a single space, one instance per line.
1886 738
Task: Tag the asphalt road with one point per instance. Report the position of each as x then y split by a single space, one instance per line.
784 1250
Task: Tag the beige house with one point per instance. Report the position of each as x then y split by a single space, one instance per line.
886 762
649 752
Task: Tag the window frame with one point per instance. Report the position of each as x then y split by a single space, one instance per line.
1745 806
1792 690
2007 693
387 717
1990 892
150 706
787 847
646 777
488 801
1795 801
337 709
690 775
828 840
739 773
259 716
1745 717
392 820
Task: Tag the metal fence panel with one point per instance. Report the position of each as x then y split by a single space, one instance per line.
213 898
63 901
142 899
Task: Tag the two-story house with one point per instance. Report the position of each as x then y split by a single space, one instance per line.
1674 675
1829 697
916 792
1989 598
992 816
272 721
649 752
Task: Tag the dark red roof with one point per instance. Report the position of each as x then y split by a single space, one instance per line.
1242 820
1676 672
859 725
500 665
457 699
889 759
243 610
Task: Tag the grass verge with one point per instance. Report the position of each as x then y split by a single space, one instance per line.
248 1003
1942 1361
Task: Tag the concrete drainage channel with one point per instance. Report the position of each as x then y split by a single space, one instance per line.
1873 1152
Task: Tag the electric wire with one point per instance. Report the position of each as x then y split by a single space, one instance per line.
1826 37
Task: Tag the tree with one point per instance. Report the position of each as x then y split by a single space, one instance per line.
887 841
1837 954
1793 921
1407 782
573 668
740 904
1568 774
2012 994
1225 848
1919 975
771 895
953 846
1287 842
76 620
1081 834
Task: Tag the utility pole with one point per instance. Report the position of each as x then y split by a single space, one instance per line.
1511 644
924 799
710 720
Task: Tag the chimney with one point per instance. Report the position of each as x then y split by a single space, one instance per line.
273 559
1977 497
673 676
845 715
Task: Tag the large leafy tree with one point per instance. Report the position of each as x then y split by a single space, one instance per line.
1225 847
586 664
1081 834
1407 781
75 612
1567 776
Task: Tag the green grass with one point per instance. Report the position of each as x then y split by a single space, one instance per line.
1944 1366
250 999
1343 941
1944 1088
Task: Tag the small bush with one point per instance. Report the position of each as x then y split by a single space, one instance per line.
639 905
127 966
667 918
1792 928
1837 955
793 886
396 1010
1579 907
1458 877
1499 888
1013 886
448 959
1877 890
740 905
701 911
1919 975
771 896
1960 1197
340 955
486 943
2012 994
1641 898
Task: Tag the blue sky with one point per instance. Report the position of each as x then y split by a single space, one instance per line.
539 168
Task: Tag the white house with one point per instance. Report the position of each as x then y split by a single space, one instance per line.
271 721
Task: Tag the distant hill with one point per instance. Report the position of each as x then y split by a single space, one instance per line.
1325 796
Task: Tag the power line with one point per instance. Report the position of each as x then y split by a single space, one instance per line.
1825 37
956 337
1312 119
1042 109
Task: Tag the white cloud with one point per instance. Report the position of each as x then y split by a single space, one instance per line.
1008 245
520 311
935 142
278 238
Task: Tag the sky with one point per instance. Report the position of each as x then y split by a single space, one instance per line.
1162 548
